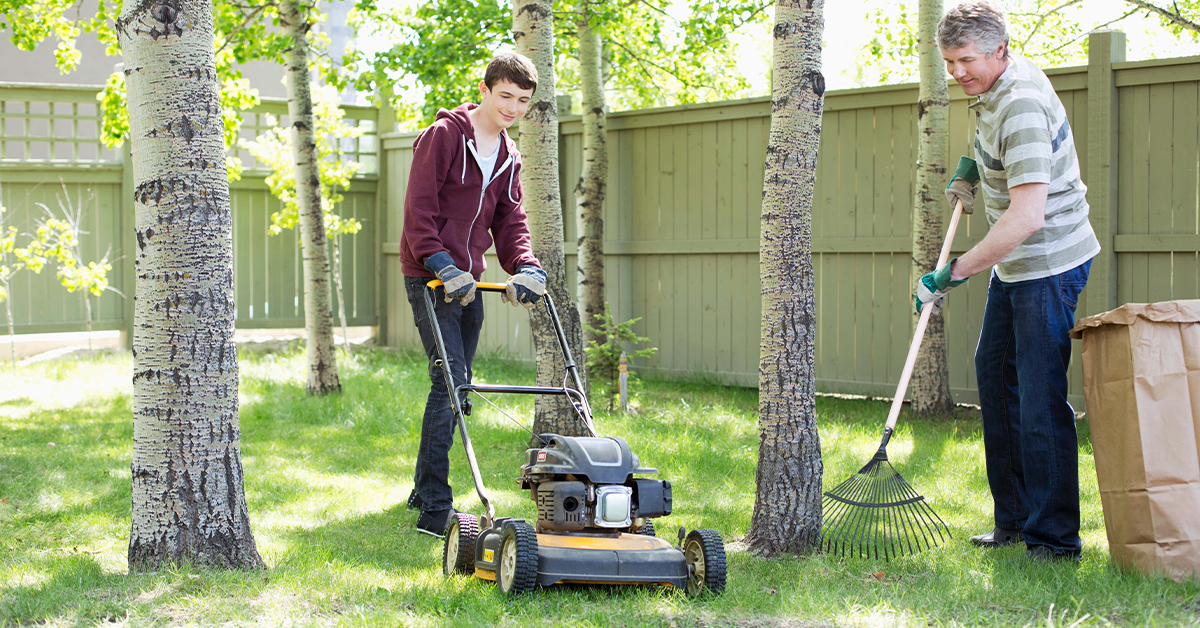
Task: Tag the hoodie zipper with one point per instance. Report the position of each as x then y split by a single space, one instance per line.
482 194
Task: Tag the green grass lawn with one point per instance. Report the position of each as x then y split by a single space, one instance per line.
326 481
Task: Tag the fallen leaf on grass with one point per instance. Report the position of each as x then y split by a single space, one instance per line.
879 576
770 590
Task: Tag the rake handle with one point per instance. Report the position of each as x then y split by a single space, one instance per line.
919 335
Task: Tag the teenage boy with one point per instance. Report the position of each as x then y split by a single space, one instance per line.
1038 251
464 191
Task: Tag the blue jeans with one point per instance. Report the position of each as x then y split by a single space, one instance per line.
460 331
1029 438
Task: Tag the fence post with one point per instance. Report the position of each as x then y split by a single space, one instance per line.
128 241
1104 49
385 123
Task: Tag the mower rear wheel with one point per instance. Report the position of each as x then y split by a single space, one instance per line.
458 554
518 558
705 555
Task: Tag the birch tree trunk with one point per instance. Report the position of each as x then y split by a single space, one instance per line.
787 505
533 33
930 378
188 498
318 312
593 181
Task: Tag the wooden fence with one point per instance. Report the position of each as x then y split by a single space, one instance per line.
684 196
50 152
682 215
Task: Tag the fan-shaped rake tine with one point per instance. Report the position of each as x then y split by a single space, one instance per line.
904 511
846 520
838 511
870 520
923 516
897 532
858 527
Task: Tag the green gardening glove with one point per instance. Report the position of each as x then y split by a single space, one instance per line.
932 288
962 186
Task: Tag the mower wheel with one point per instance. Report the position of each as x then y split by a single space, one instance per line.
705 555
458 554
647 530
518 558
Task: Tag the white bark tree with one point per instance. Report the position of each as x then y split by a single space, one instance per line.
533 33
318 312
188 498
593 181
787 505
931 378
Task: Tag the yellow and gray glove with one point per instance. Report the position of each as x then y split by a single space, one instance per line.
525 287
962 186
458 284
932 288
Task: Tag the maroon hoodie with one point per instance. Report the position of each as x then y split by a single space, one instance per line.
449 207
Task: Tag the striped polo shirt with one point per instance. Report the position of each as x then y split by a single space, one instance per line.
1022 136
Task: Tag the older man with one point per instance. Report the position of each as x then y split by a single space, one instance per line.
1039 250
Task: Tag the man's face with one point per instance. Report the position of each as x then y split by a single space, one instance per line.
504 103
974 70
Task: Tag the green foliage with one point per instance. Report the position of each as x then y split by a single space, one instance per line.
114 112
14 259
274 148
443 44
60 236
1052 33
604 358
894 47
652 58
244 31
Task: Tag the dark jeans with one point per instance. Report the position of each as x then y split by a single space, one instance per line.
460 331
1029 435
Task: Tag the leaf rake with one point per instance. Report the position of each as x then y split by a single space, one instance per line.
876 513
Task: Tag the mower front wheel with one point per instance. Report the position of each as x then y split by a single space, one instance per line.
705 555
458 554
518 558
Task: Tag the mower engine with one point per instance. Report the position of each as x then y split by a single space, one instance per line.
585 484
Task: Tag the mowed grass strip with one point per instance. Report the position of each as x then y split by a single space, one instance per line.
326 481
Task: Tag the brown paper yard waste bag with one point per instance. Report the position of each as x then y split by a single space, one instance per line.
1141 379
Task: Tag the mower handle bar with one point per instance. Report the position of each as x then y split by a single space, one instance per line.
572 369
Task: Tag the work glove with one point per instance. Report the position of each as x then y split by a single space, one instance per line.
458 284
525 287
932 288
962 186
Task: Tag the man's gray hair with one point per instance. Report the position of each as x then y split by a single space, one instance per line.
980 22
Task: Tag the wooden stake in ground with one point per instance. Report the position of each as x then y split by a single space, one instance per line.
318 313
787 504
931 378
188 499
593 181
533 32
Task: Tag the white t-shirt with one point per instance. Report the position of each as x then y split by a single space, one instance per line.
487 164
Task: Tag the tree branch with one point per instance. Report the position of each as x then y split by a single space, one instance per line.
1104 25
230 35
642 63
1042 20
1175 18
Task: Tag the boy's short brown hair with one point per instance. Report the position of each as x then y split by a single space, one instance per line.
511 67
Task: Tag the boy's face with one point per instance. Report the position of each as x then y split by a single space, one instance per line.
504 103
974 70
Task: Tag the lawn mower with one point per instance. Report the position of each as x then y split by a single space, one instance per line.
593 516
